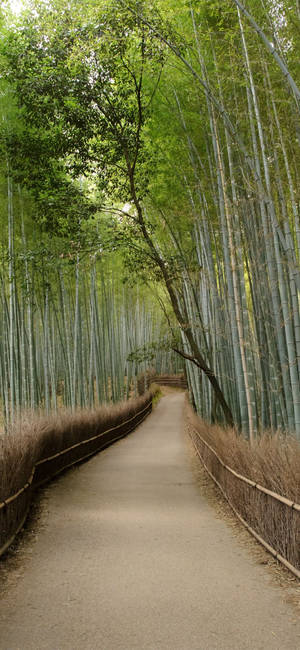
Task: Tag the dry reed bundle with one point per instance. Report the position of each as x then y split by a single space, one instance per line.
36 449
272 462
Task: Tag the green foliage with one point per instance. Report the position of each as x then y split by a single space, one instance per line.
149 352
87 83
161 138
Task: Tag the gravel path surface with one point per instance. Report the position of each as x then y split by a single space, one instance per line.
129 555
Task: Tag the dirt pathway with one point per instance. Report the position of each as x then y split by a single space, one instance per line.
129 555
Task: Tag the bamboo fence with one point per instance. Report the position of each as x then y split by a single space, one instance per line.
177 381
14 509
271 518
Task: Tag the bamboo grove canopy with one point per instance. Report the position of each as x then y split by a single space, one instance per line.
169 132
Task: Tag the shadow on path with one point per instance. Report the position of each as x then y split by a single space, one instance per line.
129 555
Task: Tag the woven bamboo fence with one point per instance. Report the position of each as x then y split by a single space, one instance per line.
270 517
14 509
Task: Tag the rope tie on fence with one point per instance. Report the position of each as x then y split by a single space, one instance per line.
9 500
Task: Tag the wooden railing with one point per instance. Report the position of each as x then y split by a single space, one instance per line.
178 381
14 509
271 518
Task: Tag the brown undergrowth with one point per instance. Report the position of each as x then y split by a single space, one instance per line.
273 461
34 438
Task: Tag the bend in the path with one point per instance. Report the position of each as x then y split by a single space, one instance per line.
130 556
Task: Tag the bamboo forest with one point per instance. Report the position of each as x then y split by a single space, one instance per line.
149 324
150 204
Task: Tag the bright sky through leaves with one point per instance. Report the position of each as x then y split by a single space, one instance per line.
16 5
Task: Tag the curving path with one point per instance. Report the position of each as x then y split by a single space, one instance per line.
129 555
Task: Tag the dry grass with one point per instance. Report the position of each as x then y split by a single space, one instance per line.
35 438
274 463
